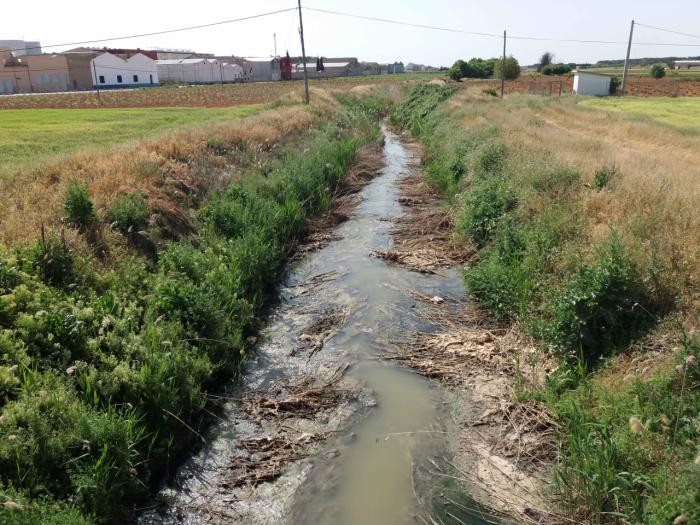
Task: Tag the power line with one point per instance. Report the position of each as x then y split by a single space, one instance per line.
398 22
491 35
155 33
668 30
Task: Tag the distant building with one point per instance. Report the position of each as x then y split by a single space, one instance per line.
33 73
395 68
262 69
21 48
198 71
332 70
112 71
679 64
286 66
591 84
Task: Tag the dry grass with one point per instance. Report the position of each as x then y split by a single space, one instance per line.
165 171
653 197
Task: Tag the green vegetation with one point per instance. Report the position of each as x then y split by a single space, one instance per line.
129 213
23 133
512 69
657 71
78 206
681 113
104 368
475 68
556 69
628 447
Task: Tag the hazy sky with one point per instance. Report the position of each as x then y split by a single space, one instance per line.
54 22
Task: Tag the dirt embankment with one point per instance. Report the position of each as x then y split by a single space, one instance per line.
504 448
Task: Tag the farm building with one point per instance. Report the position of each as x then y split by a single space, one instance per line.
112 71
332 69
686 64
591 84
33 73
198 71
262 70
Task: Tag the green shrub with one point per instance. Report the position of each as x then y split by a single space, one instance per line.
52 261
490 159
658 71
484 208
78 206
128 213
556 69
603 176
512 69
491 92
600 308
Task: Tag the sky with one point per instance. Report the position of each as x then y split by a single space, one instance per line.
54 22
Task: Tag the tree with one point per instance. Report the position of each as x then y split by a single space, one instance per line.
456 71
556 69
512 70
658 71
546 59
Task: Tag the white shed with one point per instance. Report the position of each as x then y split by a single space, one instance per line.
111 71
198 71
591 84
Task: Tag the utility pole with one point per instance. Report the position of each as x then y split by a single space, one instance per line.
503 66
303 55
627 62
97 80
274 37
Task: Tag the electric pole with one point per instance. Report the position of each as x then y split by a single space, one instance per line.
274 38
303 55
627 62
503 66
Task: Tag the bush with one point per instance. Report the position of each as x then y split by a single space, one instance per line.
52 261
602 177
615 83
599 309
512 69
658 71
128 213
556 69
78 206
484 208
491 92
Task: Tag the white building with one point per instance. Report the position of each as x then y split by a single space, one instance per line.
591 84
112 71
198 71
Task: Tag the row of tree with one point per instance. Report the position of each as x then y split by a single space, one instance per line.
491 68
484 68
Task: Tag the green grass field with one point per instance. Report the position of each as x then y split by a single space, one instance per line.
683 113
31 135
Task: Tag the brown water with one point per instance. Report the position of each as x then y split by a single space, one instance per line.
383 464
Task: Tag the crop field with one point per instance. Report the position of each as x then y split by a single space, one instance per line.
683 113
196 96
30 136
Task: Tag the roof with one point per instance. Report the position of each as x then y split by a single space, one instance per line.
587 72
325 64
174 61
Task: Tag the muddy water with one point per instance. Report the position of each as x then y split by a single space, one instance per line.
384 462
